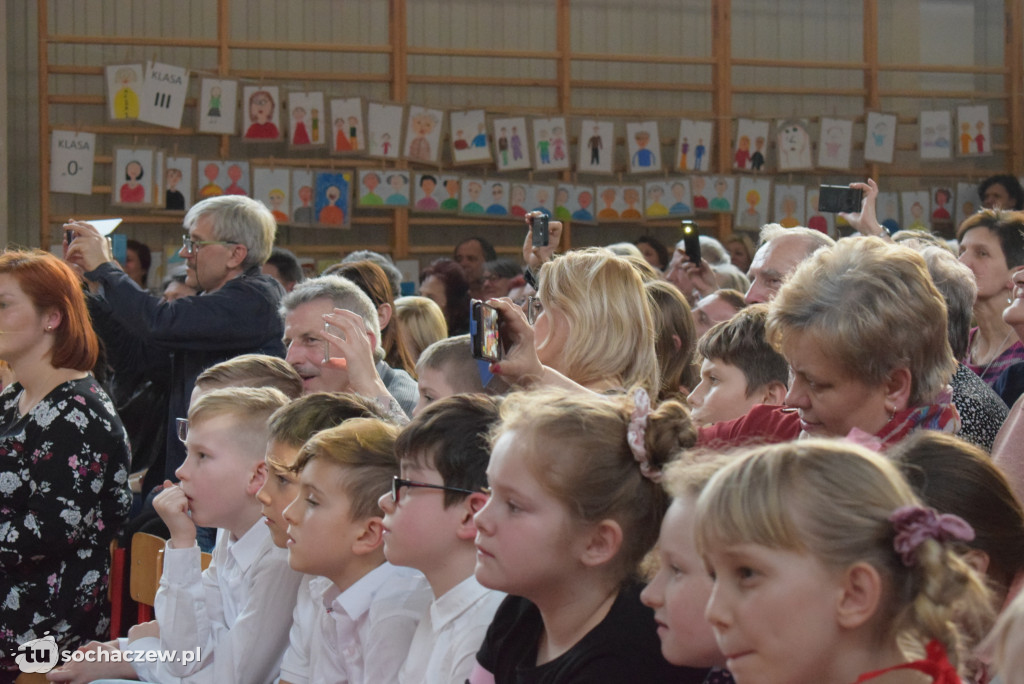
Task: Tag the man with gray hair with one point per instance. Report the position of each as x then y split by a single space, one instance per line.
781 251
347 356
227 239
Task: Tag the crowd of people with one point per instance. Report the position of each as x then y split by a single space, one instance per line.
799 462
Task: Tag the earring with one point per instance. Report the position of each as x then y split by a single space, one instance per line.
49 328
891 412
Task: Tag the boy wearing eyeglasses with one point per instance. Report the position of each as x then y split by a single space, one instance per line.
364 611
428 525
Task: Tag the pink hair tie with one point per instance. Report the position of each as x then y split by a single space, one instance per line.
915 524
637 433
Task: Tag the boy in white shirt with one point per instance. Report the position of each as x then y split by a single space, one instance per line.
236 612
363 610
428 523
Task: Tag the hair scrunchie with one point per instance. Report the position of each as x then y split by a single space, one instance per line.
915 524
637 433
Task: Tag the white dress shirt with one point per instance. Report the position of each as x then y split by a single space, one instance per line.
237 611
443 650
360 635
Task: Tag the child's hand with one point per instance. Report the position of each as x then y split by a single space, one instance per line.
143 630
172 506
82 671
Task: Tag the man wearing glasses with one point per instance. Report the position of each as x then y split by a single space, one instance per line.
227 240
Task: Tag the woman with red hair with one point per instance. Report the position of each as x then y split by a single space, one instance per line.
64 459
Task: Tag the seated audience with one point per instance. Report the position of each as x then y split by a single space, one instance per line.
720 305
1001 192
175 287
444 282
428 523
284 267
864 332
1006 451
423 323
574 508
500 277
364 611
654 251
852 578
471 254
739 369
64 473
741 251
350 362
138 259
447 367
781 251
675 339
386 264
373 281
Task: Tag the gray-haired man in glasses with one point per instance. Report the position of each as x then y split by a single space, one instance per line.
227 239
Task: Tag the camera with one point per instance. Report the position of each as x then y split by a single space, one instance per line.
541 235
839 198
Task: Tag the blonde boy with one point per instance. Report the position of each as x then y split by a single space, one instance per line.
445 368
428 523
364 611
236 612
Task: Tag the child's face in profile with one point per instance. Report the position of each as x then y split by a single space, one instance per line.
433 385
721 394
775 614
679 592
321 532
527 541
279 489
419 532
216 472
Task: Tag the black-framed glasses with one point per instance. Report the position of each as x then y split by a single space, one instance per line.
190 246
397 484
181 425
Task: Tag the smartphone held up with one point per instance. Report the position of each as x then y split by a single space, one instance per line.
484 331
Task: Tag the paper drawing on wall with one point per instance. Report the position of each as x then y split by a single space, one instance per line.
384 130
643 144
261 114
217 110
397 192
723 197
935 129
967 201
333 193
679 200
306 125
179 179
699 189
834 143
134 171
303 213
347 126
887 209
550 144
789 205
498 194
540 197
469 137
655 206
582 203
163 94
693 146
471 196
124 84
428 192
753 201
72 155
596 146
943 208
793 145
512 144
879 137
423 135
751 137
916 209
973 131
273 188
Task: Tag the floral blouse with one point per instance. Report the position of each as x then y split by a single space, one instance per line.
63 495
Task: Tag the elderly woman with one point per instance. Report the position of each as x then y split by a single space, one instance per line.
864 332
63 461
592 326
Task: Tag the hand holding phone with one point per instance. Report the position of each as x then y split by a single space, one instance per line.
539 227
691 242
836 199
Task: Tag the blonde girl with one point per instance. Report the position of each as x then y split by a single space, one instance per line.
826 565
575 506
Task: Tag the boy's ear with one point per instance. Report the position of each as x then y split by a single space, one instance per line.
603 542
470 506
370 538
860 593
774 393
257 478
